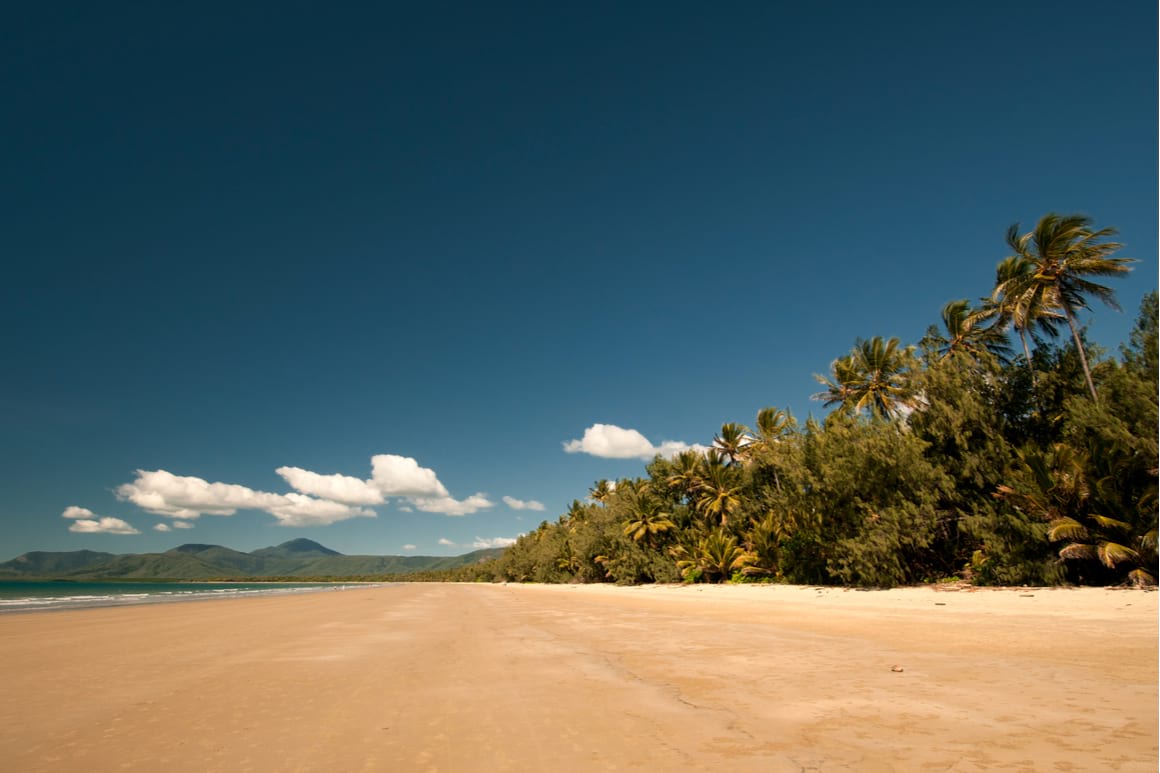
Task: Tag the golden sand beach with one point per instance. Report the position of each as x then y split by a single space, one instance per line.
431 677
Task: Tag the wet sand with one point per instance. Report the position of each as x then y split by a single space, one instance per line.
432 677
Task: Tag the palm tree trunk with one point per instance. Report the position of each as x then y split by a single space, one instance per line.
1027 354
1087 372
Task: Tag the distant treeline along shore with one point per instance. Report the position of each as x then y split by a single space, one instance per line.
299 560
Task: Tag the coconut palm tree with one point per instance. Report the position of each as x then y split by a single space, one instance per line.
715 557
733 441
1027 313
841 385
968 334
720 492
1055 265
646 520
773 424
1053 485
873 377
601 490
685 474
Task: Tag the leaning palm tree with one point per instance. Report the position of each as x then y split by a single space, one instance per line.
1028 313
1061 256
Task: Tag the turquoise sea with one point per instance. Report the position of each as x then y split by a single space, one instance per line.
19 596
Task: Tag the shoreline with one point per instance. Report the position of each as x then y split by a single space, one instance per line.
466 677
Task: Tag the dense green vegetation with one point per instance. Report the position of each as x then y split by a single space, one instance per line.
955 457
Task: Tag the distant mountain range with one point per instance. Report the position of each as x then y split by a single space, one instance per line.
296 558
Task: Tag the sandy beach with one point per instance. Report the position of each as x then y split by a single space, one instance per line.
430 677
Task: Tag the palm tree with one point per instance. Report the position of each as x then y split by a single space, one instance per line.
773 424
842 384
1054 486
733 441
967 334
873 377
601 490
1028 313
646 521
1055 263
577 514
685 474
720 492
715 556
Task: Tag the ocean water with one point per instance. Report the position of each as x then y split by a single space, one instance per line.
17 596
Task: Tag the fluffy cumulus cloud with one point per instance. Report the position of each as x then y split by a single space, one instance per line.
401 476
301 510
183 497
609 441
452 506
520 504
85 521
446 542
336 488
409 547
179 496
316 500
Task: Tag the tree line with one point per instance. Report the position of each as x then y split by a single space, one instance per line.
996 450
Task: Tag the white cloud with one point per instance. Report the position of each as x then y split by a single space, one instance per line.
301 510
85 521
609 441
162 527
519 504
446 542
408 547
182 497
450 506
316 500
336 488
401 476
101 526
493 542
163 493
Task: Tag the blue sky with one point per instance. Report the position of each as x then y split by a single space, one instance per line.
250 249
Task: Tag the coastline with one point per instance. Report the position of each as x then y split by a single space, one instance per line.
54 595
517 677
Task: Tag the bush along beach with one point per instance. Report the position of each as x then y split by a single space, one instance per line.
1003 448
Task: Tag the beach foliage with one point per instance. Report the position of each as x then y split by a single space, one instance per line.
953 457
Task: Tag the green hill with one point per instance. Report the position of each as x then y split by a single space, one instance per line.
193 561
41 563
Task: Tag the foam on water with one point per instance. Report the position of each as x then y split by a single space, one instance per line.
32 596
